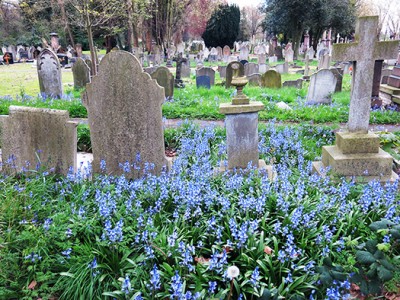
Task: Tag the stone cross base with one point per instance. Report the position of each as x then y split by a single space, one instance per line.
262 166
357 155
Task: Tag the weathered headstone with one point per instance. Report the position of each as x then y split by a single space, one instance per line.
219 53
49 72
81 73
250 68
289 54
203 81
310 53
32 136
165 79
226 52
244 52
282 68
222 71
322 85
298 84
324 61
278 52
271 79
150 70
338 72
234 69
179 61
123 95
206 71
263 68
273 59
185 70
357 153
254 79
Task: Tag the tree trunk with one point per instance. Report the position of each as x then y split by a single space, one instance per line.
91 44
296 43
65 20
131 37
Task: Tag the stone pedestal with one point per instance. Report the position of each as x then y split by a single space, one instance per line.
356 155
242 131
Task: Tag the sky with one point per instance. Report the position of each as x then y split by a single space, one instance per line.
242 3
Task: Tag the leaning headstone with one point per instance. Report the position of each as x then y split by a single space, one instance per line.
234 69
322 85
203 81
38 136
357 153
49 72
206 71
254 79
123 95
271 79
165 79
250 68
81 73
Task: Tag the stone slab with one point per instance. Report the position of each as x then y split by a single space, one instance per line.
350 142
396 71
389 89
319 168
228 108
359 164
394 81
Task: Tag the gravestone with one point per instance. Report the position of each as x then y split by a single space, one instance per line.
306 75
206 71
185 70
123 95
271 79
263 68
222 71
49 73
298 84
219 53
273 59
278 52
282 68
322 85
357 153
324 61
338 72
289 53
233 69
250 68
310 53
179 61
262 57
213 54
38 135
81 73
150 70
165 79
203 81
8 58
244 52
227 53
254 79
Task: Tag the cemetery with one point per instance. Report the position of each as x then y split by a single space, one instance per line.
259 168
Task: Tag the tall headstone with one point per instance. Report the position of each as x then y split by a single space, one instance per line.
219 53
322 85
179 61
123 95
357 153
226 52
81 73
32 136
49 73
165 79
289 53
206 71
271 79
234 69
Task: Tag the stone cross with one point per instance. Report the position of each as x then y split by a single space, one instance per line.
364 52
179 60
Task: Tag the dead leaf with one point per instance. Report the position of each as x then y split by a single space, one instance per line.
32 285
268 250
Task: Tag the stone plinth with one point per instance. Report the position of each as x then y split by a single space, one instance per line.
356 155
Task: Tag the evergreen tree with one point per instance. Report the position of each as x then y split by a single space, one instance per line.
223 26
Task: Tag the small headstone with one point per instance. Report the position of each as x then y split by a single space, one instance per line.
234 69
203 81
222 71
273 59
244 52
81 73
298 84
262 58
250 68
38 135
338 72
185 70
310 53
219 53
49 71
123 95
263 68
254 79
289 54
282 68
165 79
322 85
271 79
206 71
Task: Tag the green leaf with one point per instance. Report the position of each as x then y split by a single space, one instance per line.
365 257
383 247
382 224
327 262
266 295
384 274
371 245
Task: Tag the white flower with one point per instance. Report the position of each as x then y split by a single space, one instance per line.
232 272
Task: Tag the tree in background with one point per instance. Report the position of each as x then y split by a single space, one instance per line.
250 23
223 26
11 24
292 18
244 26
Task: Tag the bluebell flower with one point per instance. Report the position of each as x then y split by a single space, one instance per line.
126 285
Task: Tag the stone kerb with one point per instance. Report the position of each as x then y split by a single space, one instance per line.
32 136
